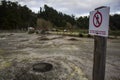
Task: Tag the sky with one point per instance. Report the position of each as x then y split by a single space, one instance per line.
72 7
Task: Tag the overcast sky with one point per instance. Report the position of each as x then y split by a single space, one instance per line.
75 7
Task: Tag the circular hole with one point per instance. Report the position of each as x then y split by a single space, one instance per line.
42 67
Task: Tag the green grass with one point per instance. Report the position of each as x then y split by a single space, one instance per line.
84 33
5 64
76 33
114 33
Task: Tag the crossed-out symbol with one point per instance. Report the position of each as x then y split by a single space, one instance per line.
97 19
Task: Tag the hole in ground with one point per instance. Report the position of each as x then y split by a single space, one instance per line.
42 67
37 67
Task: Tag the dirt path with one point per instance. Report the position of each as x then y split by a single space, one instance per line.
72 58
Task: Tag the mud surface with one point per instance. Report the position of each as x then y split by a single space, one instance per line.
71 57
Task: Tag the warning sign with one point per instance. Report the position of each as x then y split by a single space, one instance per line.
99 22
97 19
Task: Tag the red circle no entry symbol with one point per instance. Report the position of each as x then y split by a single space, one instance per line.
97 19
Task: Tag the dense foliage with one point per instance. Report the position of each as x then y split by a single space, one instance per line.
15 16
57 18
115 22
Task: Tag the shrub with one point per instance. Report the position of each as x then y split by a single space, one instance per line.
89 36
31 32
81 35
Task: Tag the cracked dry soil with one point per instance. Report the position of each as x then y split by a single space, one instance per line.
71 57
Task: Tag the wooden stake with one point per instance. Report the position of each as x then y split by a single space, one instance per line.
100 44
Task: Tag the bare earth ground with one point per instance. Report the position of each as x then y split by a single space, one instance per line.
71 57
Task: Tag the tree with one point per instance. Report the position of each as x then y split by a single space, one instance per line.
114 22
43 24
83 22
56 18
15 16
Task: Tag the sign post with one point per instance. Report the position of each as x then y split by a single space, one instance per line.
98 26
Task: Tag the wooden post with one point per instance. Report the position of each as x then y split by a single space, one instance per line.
99 58
100 44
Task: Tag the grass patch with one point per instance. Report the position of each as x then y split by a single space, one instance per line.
84 33
5 64
1 51
74 34
114 33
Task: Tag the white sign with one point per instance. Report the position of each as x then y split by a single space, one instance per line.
99 22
